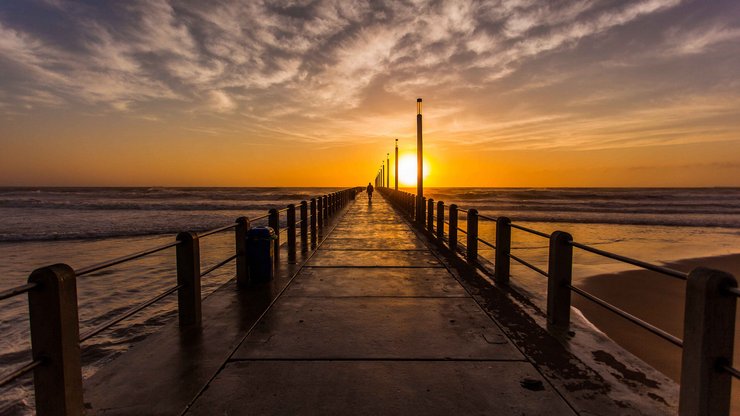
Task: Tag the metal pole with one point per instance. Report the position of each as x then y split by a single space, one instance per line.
274 222
325 211
452 233
313 223
440 220
291 232
560 272
188 277
304 226
472 242
503 249
396 165
242 269
320 207
419 166
388 173
709 331
430 215
55 341
382 174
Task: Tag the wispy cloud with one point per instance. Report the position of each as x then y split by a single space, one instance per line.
545 71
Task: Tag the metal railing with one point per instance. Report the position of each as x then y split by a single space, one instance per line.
711 296
53 307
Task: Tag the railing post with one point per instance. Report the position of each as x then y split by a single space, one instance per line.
188 277
291 232
430 215
320 206
422 212
242 269
560 272
325 212
452 233
55 341
313 223
304 226
502 265
440 220
274 222
708 337
472 242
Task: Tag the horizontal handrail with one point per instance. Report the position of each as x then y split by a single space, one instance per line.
732 370
28 367
104 265
486 243
461 230
217 265
530 230
486 217
261 217
635 262
628 316
734 291
529 265
18 290
102 327
216 230
280 211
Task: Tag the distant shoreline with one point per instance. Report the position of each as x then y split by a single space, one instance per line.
656 299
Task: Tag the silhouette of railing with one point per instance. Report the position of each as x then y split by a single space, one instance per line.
710 304
53 307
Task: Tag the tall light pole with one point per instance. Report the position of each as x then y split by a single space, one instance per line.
396 164
388 173
382 173
419 166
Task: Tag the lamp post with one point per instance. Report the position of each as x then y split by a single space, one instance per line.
388 173
419 166
382 173
396 164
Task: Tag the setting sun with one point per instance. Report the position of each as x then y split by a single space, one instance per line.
407 170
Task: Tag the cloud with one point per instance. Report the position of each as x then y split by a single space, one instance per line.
333 66
219 101
697 40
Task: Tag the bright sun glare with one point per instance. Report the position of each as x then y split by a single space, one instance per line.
407 170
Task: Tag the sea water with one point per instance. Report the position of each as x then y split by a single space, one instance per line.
82 226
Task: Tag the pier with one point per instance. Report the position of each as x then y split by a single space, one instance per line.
376 307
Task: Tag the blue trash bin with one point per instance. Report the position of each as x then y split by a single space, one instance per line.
261 254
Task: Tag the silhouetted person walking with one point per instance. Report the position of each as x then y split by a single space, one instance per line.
370 190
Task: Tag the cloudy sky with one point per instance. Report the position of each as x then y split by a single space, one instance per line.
516 92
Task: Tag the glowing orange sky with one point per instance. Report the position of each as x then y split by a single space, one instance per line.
635 93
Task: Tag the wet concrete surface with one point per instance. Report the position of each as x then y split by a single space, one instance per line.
374 258
378 388
396 282
376 328
375 324
372 323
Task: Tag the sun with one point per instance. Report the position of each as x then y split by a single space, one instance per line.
407 170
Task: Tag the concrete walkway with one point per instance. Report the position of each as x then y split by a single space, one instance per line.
374 324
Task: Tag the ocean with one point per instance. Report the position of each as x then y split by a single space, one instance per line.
82 226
